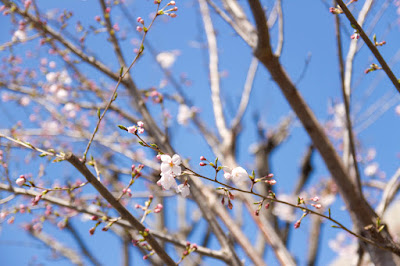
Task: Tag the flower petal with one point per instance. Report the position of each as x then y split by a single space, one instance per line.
176 159
166 168
166 158
176 170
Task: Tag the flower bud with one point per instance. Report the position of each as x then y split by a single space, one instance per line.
21 180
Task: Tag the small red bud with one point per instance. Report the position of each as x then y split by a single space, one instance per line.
297 224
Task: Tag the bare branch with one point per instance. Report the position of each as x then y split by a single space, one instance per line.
391 189
370 45
279 47
82 245
244 100
125 214
52 243
214 72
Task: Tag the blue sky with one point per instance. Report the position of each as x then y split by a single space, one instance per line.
309 32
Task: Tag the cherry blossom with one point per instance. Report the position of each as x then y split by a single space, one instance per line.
183 189
171 165
237 175
167 59
19 35
184 114
371 169
167 181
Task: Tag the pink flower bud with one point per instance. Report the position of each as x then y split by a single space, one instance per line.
22 208
132 129
171 3
139 29
11 220
317 206
297 224
267 206
172 15
145 257
140 123
140 20
108 9
27 4
231 196
61 224
315 199
21 180
202 164
97 18
91 230
202 158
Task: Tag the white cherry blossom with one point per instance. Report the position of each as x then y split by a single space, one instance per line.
167 181
183 189
237 175
19 35
171 165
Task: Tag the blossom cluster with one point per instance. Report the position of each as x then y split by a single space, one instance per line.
139 128
170 169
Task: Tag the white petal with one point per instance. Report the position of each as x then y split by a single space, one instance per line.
227 175
176 170
167 181
166 168
176 159
184 190
239 174
166 158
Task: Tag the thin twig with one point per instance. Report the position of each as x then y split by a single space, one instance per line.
82 245
348 137
52 243
370 45
81 209
244 100
279 47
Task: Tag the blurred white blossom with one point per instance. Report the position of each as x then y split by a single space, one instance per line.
167 59
19 35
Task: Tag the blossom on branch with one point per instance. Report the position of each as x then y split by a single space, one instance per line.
237 175
171 165
183 189
167 181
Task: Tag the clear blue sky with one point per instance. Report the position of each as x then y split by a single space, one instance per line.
309 31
